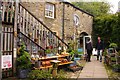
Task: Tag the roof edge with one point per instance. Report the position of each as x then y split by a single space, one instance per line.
78 8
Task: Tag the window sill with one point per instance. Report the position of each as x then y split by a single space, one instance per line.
49 17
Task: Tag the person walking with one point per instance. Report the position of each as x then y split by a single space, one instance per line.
99 48
89 48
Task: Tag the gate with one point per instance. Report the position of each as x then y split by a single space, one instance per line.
7 51
6 38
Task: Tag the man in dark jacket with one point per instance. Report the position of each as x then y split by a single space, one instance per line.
89 49
99 48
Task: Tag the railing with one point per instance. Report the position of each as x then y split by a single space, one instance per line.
37 31
30 45
7 8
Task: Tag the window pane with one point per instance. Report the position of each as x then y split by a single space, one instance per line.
47 6
76 19
49 10
51 7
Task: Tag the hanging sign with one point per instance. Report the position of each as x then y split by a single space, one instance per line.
6 61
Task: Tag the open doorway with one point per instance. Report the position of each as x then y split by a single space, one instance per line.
81 39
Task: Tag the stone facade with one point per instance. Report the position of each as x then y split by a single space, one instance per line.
55 24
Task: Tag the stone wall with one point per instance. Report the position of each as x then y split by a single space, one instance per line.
86 20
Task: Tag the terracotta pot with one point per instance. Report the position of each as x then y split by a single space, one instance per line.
46 63
30 34
36 39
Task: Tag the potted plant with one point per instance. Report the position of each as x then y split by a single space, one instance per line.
29 34
49 51
36 40
23 62
41 53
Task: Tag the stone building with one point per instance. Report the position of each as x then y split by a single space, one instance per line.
63 18
33 22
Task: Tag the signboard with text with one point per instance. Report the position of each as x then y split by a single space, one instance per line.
6 61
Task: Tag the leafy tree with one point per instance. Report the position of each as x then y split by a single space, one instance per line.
95 8
107 27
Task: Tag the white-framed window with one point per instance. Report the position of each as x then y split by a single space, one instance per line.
49 10
76 19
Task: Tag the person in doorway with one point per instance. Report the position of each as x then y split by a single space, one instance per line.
89 49
99 48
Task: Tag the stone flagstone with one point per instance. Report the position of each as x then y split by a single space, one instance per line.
93 69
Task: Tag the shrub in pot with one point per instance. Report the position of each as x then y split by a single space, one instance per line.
23 62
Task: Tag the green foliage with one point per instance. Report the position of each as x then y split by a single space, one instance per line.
47 51
107 26
23 59
61 75
118 53
105 52
116 65
46 74
40 74
72 52
95 8
113 59
113 45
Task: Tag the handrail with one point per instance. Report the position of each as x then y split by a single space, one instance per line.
43 24
32 41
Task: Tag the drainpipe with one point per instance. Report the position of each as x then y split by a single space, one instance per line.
0 41
63 21
15 37
63 12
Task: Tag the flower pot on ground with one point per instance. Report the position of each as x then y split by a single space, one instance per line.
23 63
